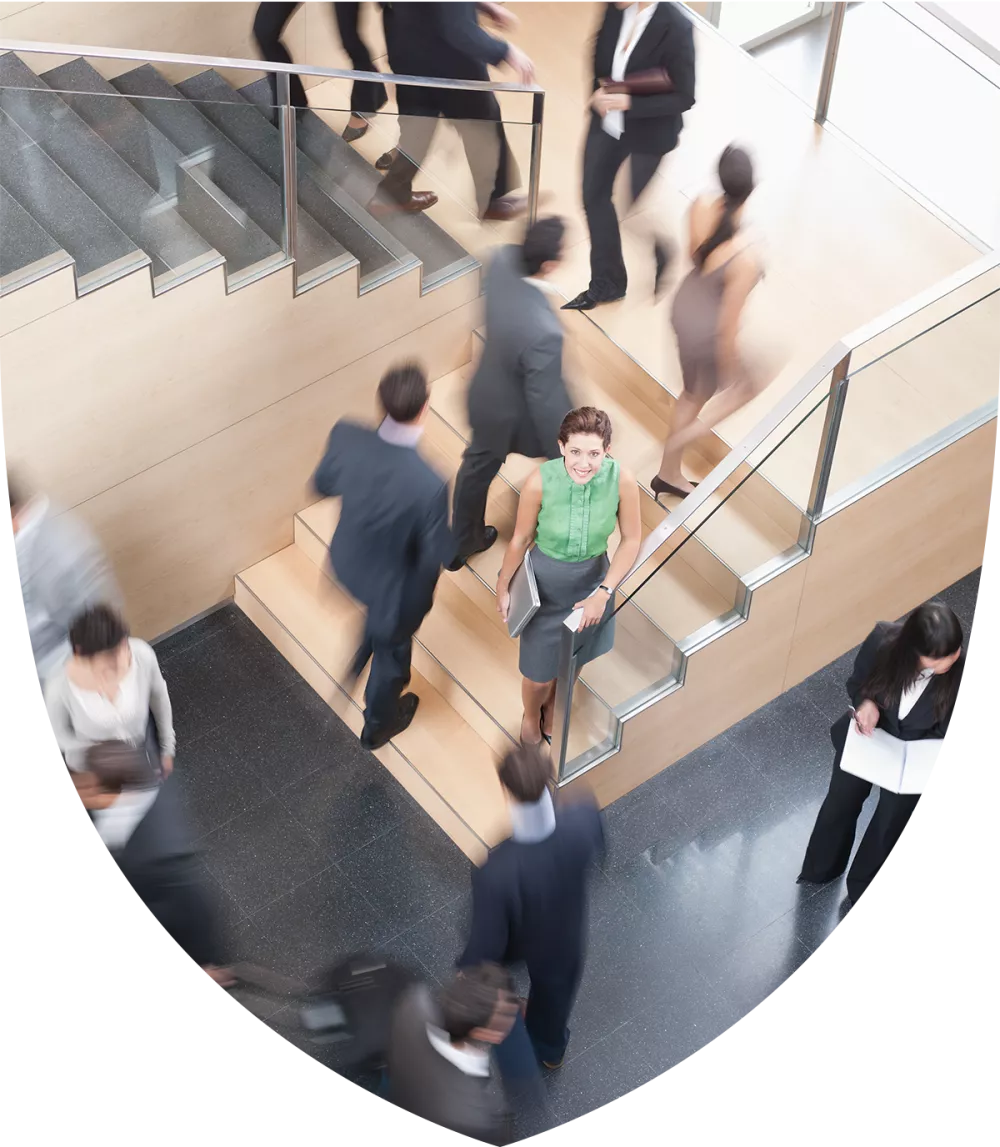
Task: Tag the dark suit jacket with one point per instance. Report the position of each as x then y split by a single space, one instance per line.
426 1084
920 723
393 535
529 901
517 397
653 123
160 862
444 41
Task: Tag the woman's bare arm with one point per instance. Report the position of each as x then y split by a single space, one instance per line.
524 532
629 527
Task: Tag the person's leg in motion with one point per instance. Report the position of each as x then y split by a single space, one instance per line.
387 711
483 149
472 490
395 191
645 220
268 25
603 155
891 816
546 1018
504 203
366 96
832 838
363 654
684 429
518 1066
533 696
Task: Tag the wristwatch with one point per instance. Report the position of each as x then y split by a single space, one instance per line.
607 589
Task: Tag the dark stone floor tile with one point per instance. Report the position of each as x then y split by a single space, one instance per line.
410 873
261 855
683 1022
962 597
214 787
346 805
184 642
608 1070
827 688
816 916
747 975
637 822
438 940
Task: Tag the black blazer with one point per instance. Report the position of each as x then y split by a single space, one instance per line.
160 862
653 123
393 535
920 723
529 901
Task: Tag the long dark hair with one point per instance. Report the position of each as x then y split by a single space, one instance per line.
736 177
931 630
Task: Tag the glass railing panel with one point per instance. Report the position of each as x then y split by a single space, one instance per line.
922 379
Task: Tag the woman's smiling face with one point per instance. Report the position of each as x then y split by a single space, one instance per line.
583 455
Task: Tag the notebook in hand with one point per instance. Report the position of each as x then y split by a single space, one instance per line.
899 766
652 82
524 599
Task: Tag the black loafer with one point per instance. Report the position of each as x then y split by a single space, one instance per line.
490 535
375 736
384 161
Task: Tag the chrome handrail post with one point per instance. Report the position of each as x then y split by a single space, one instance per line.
829 63
535 166
565 684
828 441
289 169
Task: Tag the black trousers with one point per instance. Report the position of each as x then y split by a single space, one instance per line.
175 892
390 655
270 22
472 488
550 1002
603 156
832 839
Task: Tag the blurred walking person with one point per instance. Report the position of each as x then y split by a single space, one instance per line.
390 542
634 46
367 96
706 319
517 397
63 570
439 1062
529 900
143 825
446 41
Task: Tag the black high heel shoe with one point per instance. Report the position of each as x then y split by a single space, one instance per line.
541 728
658 486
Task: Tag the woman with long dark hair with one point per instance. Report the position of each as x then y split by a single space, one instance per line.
905 681
706 318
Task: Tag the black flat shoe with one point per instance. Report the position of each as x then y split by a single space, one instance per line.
541 728
375 736
490 535
658 486
350 134
585 301
384 161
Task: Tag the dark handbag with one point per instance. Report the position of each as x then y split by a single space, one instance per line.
652 82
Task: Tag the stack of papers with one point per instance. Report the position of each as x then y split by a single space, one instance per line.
899 766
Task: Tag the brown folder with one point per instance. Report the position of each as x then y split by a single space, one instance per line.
653 82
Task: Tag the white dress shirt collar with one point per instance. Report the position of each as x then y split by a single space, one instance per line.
634 23
531 823
400 433
471 1060
913 692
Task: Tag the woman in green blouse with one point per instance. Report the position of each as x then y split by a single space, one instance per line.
569 508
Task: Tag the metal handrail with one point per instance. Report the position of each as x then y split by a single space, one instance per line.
237 64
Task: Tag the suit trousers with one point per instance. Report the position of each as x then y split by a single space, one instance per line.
550 1002
494 170
174 891
832 839
603 156
472 488
390 655
270 22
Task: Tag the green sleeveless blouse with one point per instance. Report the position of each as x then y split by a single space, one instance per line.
574 521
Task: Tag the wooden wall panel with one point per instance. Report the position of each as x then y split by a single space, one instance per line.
893 549
33 302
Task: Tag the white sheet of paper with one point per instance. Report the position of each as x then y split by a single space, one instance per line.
899 766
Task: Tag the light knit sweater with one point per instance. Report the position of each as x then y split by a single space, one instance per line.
82 718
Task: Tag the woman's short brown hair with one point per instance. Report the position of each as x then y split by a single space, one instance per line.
586 420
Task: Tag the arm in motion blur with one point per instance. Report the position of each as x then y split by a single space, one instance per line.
460 28
59 717
159 703
328 479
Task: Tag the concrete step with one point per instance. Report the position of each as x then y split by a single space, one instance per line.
27 251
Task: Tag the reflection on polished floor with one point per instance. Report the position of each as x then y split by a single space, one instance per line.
315 852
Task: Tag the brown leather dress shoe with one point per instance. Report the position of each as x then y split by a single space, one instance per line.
418 201
507 207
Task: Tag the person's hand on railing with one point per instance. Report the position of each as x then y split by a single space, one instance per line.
500 15
593 609
520 62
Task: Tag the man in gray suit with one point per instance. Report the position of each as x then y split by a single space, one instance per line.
517 397
63 570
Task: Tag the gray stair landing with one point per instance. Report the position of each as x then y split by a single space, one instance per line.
379 253
248 251
27 251
177 252
100 250
248 188
442 258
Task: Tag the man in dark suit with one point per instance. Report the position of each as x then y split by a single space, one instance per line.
390 542
439 1053
633 38
145 828
446 41
529 900
517 397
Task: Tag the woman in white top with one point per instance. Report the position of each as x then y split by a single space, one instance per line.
106 691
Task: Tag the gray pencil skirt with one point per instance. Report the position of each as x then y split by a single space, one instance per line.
560 586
